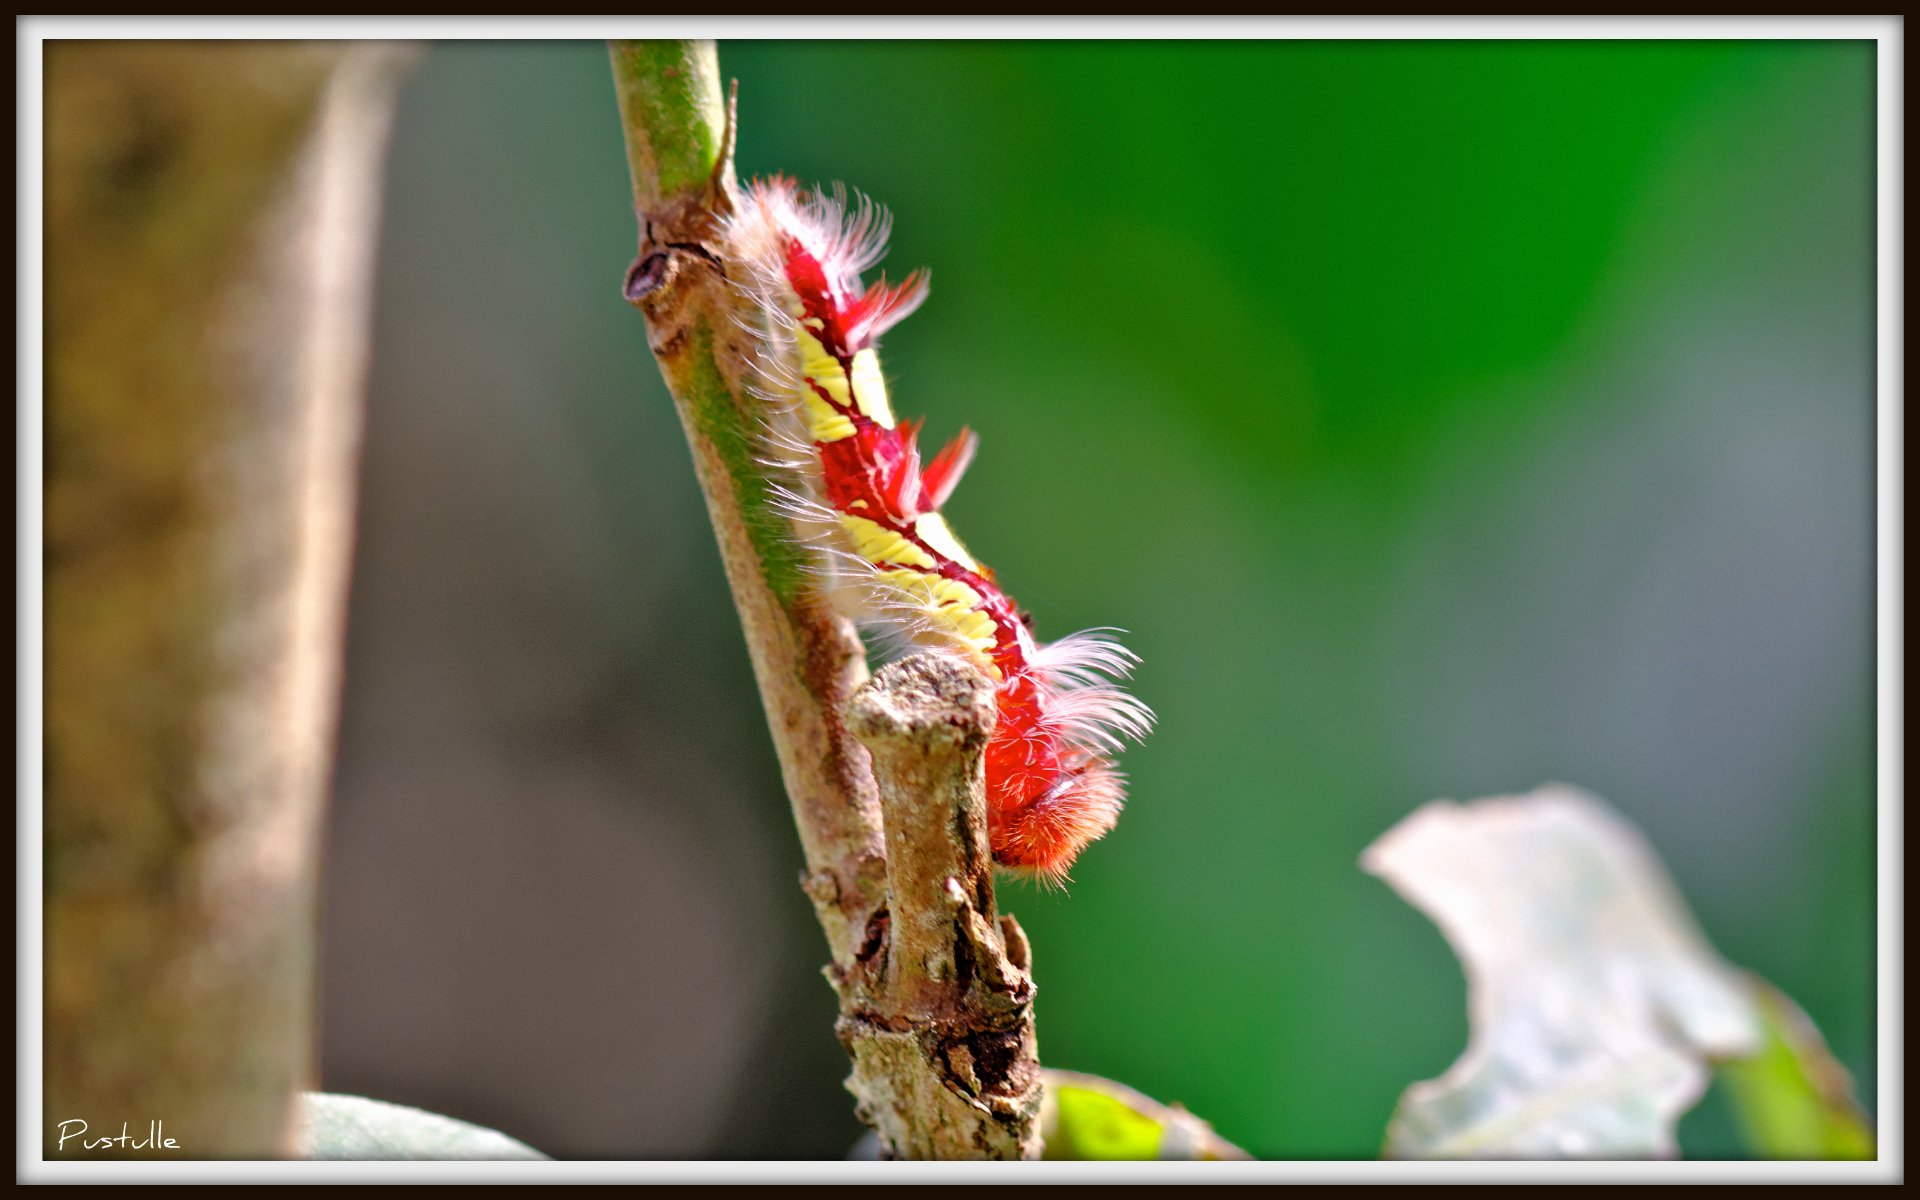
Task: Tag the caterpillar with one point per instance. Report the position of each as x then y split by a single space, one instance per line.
859 494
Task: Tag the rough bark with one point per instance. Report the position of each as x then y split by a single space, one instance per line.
940 1024
210 214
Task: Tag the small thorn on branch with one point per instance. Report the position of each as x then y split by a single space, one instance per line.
942 1036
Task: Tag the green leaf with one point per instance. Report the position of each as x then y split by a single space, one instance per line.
335 1128
1087 1117
1594 1001
1793 1099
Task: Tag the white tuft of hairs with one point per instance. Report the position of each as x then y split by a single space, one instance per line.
1087 710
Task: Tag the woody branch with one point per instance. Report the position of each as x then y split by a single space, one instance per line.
934 996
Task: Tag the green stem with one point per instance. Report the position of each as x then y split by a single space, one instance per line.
673 114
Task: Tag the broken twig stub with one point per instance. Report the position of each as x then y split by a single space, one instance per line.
939 1021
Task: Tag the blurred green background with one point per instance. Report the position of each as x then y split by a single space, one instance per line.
1438 418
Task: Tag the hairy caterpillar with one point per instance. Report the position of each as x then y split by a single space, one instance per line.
864 500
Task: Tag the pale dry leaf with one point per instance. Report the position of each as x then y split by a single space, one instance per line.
1594 1001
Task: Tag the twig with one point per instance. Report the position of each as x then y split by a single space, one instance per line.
934 997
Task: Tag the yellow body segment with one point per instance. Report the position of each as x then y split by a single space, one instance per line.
865 394
825 423
870 389
882 546
933 529
951 607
